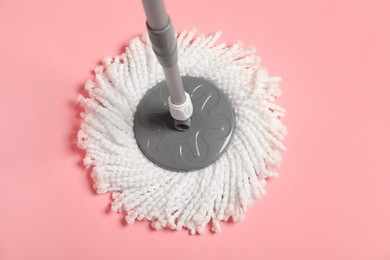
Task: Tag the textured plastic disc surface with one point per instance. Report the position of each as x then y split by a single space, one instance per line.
202 144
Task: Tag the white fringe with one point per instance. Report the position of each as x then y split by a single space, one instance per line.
174 199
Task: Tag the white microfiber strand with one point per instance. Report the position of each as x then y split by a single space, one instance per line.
143 190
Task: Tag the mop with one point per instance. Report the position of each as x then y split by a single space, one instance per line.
181 130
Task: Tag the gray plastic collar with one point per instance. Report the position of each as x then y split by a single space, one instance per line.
164 44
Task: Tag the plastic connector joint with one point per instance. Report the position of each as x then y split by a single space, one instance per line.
183 111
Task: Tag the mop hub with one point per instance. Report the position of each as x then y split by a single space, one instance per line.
199 146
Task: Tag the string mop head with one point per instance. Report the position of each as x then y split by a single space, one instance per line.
169 199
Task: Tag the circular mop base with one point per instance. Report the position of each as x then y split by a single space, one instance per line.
195 200
210 133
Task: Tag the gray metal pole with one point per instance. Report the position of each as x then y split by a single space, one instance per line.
164 43
156 14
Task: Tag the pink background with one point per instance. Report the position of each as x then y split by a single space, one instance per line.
332 200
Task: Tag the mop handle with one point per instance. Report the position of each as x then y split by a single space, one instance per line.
164 43
163 39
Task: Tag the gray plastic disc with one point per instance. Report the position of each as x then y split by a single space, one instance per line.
202 144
